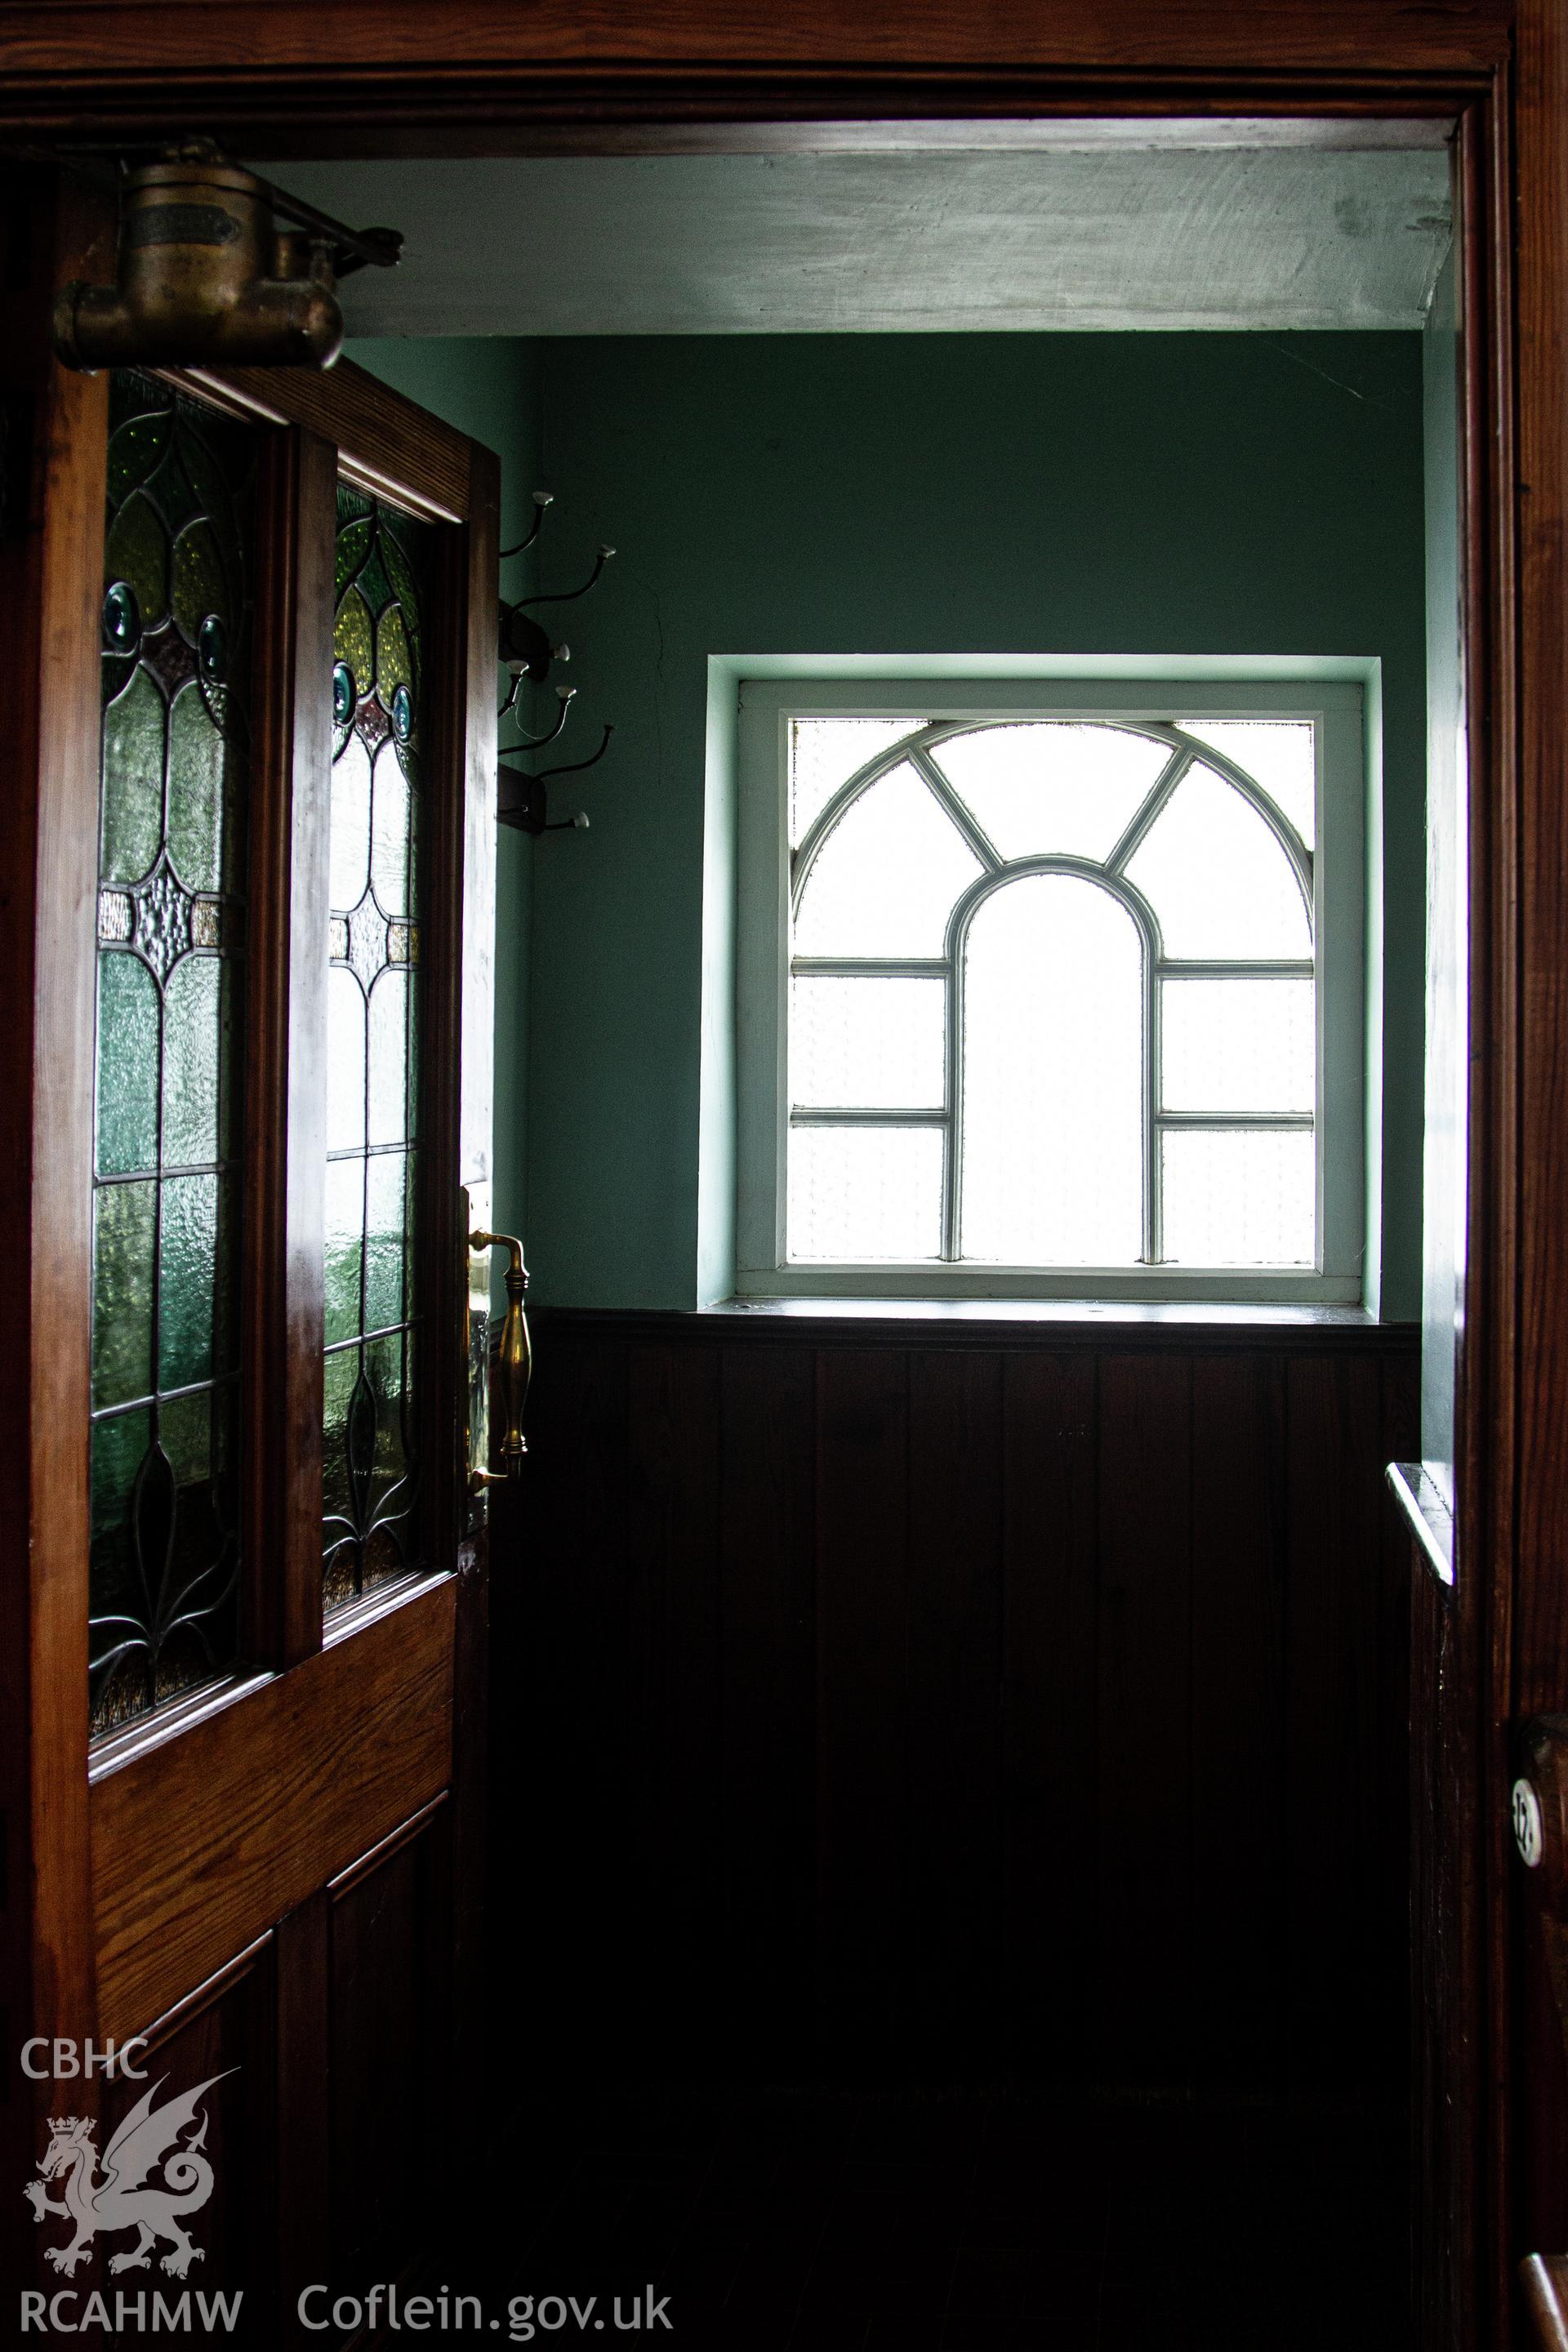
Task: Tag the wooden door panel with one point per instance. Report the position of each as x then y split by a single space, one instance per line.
223 2034
203 1843
387 1964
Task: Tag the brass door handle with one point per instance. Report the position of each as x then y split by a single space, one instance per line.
516 1362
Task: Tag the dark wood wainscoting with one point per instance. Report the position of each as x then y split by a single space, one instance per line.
958 1703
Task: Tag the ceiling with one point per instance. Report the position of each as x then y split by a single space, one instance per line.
1118 237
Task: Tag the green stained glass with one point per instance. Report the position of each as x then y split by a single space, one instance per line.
372 1024
173 818
353 639
345 1237
370 579
123 1247
386 1231
388 1120
352 542
199 587
197 760
349 853
187 1275
198 1029
390 837
132 823
136 449
393 657
138 553
128 1032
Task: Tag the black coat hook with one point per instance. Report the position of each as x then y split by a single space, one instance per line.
541 499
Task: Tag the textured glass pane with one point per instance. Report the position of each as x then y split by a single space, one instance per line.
1240 1199
1217 878
188 1257
132 817
354 639
389 1057
138 553
345 1230
868 1044
345 1061
1278 753
172 821
866 1192
1050 786
372 1044
196 792
885 880
127 1064
199 587
195 1042
124 1226
1239 1045
1053 1108
386 1225
824 753
390 835
350 855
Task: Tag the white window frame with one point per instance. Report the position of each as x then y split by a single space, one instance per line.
1338 884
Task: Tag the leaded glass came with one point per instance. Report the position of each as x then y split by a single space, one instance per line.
176 652
378 690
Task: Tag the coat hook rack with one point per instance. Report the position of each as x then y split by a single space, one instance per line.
529 654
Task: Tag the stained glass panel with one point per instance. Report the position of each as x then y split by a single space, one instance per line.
172 816
373 1021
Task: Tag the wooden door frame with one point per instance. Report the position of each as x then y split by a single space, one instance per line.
511 77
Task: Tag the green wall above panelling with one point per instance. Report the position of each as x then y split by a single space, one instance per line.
1118 495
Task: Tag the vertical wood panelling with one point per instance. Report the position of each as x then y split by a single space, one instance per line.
1238 1719
863 1960
1049 1710
1334 1545
672 1462
953 1870
958 1712
1143 1867
768 1600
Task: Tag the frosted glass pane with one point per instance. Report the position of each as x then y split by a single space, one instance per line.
824 753
1240 1199
1239 1045
1217 877
1051 785
345 1061
858 1193
1053 1113
867 1044
885 880
1278 754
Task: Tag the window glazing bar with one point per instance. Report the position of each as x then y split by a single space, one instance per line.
974 833
1220 1121
837 1117
869 966
1236 968
1164 784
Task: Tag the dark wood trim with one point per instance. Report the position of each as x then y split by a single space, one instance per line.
51 587
285 1046
392 447
1112 1328
213 1989
335 1754
1543 2282
382 1851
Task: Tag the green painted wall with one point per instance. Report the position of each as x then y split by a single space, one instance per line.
1099 494
488 388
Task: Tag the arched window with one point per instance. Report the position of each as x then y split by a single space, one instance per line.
1052 1000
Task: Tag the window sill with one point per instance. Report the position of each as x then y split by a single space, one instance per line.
1180 1313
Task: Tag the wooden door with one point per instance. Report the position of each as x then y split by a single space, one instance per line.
248 859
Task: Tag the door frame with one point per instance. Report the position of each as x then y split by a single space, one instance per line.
518 76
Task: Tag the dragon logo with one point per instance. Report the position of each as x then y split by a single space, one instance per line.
124 2199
